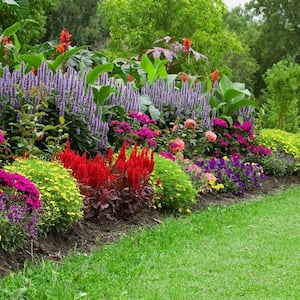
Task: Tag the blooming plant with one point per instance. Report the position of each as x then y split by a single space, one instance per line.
60 195
19 210
234 174
237 139
137 128
112 187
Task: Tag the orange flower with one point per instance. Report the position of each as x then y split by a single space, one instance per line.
64 41
184 77
211 136
130 78
186 45
215 75
6 41
180 144
190 123
34 70
65 36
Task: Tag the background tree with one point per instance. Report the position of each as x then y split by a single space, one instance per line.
282 96
82 21
31 32
279 31
135 24
242 63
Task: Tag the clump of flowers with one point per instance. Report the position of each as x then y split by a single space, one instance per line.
19 210
235 174
237 139
138 128
112 187
65 37
184 136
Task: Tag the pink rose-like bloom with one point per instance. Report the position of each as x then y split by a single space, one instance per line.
1 138
211 136
190 123
176 145
175 128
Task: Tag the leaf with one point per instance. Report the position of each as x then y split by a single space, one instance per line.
243 103
61 120
95 72
154 113
10 30
10 2
231 94
34 60
23 8
225 84
101 93
148 67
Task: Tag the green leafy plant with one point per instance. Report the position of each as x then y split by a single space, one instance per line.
174 190
229 97
60 194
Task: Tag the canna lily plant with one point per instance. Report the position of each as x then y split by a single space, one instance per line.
229 97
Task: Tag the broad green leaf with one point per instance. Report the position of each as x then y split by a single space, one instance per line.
160 68
95 72
101 93
231 94
61 120
148 67
225 84
23 8
34 60
154 113
145 100
10 30
243 103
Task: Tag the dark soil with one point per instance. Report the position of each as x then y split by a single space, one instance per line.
87 236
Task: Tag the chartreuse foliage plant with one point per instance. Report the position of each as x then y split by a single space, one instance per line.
60 195
279 140
174 190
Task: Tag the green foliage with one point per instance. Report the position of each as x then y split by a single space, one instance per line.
282 89
229 98
175 191
277 163
60 195
278 140
134 25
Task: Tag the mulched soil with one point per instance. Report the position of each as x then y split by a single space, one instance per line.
86 236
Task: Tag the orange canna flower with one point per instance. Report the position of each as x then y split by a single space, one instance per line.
64 41
215 75
184 77
186 45
130 78
34 70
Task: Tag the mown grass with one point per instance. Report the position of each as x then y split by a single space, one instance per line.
244 251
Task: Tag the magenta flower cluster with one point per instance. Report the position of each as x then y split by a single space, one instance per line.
23 185
136 129
237 139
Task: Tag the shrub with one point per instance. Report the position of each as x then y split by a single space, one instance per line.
112 188
278 140
277 163
175 191
60 195
19 210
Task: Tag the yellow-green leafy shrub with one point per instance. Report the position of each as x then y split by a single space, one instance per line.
61 199
278 140
175 190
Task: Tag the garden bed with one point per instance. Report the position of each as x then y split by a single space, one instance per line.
87 236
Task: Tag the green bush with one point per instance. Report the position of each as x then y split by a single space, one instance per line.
278 140
61 199
175 191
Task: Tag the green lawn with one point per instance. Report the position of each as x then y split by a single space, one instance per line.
244 251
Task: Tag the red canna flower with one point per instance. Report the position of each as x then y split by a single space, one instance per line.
184 77
6 41
215 75
186 45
